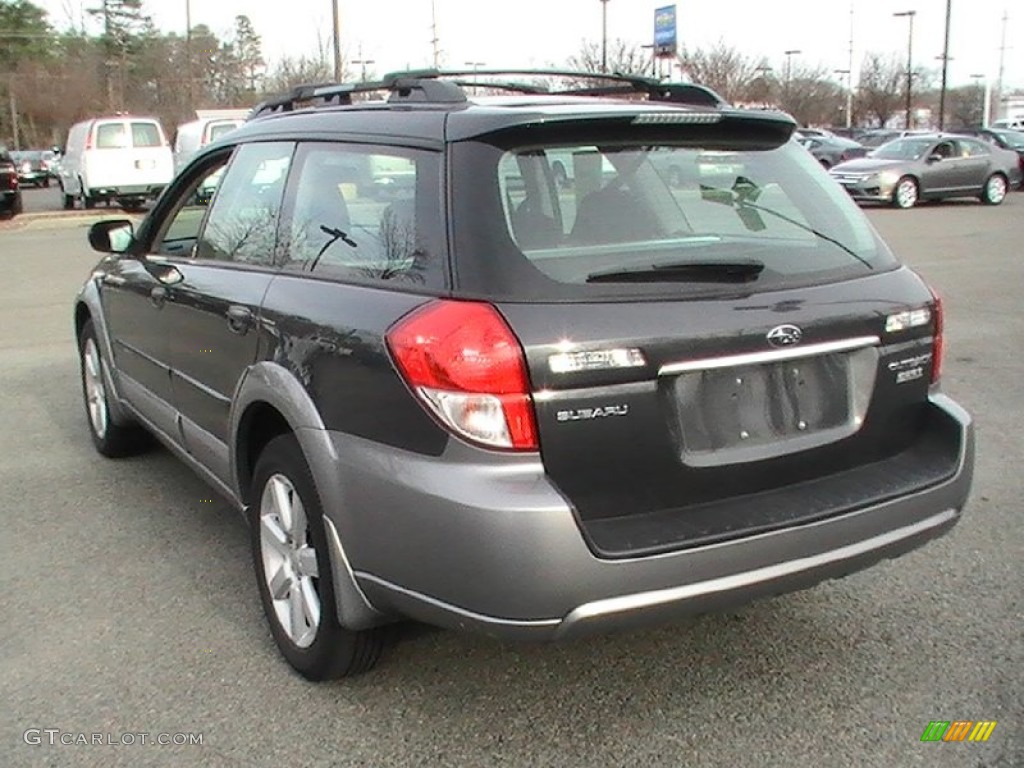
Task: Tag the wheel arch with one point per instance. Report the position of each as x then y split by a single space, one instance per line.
88 308
269 401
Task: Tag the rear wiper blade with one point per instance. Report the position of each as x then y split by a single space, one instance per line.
740 271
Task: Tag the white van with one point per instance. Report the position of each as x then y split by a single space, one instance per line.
126 159
209 126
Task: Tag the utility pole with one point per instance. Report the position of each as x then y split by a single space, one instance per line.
434 40
336 32
849 76
910 65
188 56
363 62
945 68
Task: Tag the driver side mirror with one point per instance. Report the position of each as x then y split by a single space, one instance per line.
112 236
935 157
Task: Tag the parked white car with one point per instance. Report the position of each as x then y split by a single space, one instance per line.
209 126
126 159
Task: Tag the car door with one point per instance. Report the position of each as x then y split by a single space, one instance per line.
976 163
212 309
941 170
132 292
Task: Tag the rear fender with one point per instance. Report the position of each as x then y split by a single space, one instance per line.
270 383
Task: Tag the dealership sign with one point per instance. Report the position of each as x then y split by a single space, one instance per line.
665 31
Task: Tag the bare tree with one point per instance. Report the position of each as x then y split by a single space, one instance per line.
624 58
881 90
811 97
722 68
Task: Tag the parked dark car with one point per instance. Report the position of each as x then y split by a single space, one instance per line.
831 150
930 167
10 190
1004 138
490 403
32 167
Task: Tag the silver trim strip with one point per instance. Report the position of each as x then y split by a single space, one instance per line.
769 356
737 581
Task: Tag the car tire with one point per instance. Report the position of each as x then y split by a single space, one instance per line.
69 201
994 191
825 163
905 193
288 538
110 439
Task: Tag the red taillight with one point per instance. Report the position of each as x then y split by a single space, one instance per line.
937 339
844 157
465 363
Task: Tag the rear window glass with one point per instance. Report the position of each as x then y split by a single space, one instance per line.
145 135
111 136
589 220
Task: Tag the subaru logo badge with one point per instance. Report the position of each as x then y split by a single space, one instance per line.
784 336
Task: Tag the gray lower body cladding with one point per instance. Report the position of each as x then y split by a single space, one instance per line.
483 541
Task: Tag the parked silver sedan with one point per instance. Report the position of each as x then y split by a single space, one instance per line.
930 167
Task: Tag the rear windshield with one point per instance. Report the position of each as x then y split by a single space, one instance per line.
613 218
115 135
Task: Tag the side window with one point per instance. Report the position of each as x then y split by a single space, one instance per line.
365 214
242 222
973 149
180 230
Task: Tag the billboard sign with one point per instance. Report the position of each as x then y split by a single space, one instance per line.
665 31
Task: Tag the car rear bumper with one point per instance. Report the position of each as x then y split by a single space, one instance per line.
150 191
476 541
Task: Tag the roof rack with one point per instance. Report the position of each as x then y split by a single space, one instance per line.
439 86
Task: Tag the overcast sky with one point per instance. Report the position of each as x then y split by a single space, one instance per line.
397 33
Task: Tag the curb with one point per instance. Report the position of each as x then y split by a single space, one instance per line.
61 220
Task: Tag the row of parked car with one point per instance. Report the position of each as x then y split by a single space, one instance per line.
121 159
904 167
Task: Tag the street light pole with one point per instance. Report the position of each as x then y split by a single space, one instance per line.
849 93
604 35
910 64
945 67
789 63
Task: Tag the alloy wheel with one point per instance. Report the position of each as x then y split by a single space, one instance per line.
995 190
906 193
95 389
289 561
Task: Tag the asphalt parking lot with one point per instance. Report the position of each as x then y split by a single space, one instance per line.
129 605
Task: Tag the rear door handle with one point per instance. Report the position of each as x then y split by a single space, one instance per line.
240 319
157 296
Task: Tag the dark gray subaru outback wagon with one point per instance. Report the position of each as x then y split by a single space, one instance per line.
443 384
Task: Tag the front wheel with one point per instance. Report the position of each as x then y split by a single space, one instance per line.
112 440
905 193
293 571
994 191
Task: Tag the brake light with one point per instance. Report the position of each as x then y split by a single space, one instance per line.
467 366
938 342
844 157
